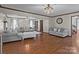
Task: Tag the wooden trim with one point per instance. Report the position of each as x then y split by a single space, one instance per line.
16 17
75 15
66 14
21 11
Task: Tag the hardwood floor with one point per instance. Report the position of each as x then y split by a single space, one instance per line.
44 44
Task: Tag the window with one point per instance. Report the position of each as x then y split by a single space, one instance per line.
1 26
15 25
31 24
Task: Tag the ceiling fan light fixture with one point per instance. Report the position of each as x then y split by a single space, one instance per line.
48 9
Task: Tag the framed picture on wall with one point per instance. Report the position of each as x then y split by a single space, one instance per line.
59 20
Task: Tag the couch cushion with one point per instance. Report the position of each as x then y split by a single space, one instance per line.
58 30
52 29
55 29
61 30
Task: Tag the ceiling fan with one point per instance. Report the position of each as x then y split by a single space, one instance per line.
48 9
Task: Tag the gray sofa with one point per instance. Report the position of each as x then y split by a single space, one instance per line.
14 36
10 36
62 32
27 34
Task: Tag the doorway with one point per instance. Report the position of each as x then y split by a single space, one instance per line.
41 25
75 25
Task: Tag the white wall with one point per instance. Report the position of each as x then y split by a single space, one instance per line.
21 14
66 22
45 25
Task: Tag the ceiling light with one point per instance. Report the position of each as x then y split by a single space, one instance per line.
48 9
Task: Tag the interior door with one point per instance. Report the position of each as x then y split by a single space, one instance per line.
41 25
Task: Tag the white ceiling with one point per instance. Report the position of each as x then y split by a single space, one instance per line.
38 8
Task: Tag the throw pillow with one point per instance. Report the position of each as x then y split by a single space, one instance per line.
61 30
55 29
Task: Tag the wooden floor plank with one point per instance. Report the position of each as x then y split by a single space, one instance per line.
44 44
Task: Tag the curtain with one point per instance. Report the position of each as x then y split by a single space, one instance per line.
1 26
12 24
